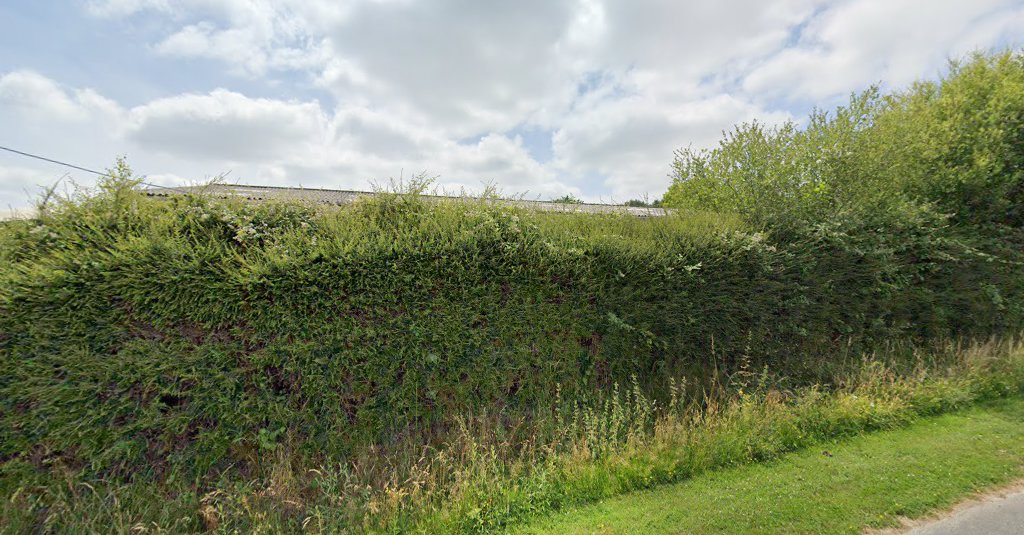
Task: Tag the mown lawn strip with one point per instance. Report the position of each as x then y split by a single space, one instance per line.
844 487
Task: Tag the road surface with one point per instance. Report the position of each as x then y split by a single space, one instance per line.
998 515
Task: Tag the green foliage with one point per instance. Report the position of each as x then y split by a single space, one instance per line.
953 147
567 199
194 340
197 327
959 143
639 203
755 424
864 484
489 474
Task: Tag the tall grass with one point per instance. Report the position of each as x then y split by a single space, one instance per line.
487 473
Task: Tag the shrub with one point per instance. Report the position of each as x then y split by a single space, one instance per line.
952 146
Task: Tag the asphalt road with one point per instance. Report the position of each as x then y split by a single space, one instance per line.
999 515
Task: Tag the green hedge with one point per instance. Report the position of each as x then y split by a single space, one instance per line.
183 336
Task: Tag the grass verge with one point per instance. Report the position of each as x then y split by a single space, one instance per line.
751 425
866 482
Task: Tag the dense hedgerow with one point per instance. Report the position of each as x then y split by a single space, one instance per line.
142 335
491 472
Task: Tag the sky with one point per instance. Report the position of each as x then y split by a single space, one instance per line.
539 98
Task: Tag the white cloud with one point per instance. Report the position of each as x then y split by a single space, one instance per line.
867 41
443 86
503 161
20 185
189 137
226 126
631 140
39 116
33 95
696 39
203 40
466 68
249 50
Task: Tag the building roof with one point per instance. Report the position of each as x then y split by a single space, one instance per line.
343 197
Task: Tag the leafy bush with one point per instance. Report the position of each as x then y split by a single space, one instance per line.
640 203
959 143
490 473
953 147
567 199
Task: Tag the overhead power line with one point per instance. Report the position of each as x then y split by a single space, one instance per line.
73 166
45 159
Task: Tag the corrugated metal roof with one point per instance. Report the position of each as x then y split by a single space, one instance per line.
342 197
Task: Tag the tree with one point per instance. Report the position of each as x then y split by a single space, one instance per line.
954 147
638 203
567 199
